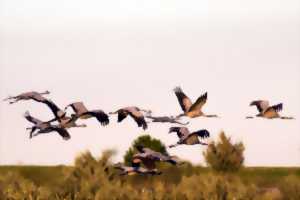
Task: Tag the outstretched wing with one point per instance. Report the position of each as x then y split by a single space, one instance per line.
261 105
181 131
58 113
122 114
183 100
147 161
101 116
199 103
190 140
202 133
193 138
32 119
138 116
141 122
159 156
276 108
37 97
62 132
78 107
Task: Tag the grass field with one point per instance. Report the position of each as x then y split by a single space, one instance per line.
40 175
52 175
96 179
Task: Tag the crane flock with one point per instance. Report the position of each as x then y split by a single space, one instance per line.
145 157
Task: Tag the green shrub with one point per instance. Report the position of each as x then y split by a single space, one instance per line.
224 156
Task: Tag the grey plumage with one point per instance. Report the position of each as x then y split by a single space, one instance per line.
267 111
135 113
165 119
33 95
45 127
190 109
57 112
149 156
187 138
135 169
83 113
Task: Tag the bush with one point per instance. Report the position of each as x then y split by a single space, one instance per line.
87 177
224 156
15 187
290 187
215 187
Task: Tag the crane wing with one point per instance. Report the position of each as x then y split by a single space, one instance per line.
199 102
261 105
37 97
202 133
148 161
276 108
141 122
191 136
62 132
100 115
191 139
79 108
181 131
138 116
183 100
58 113
32 119
122 114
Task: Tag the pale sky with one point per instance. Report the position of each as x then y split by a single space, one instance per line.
111 54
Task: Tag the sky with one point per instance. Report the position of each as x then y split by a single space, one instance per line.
111 54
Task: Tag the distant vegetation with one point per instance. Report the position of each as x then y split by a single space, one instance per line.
225 156
95 178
